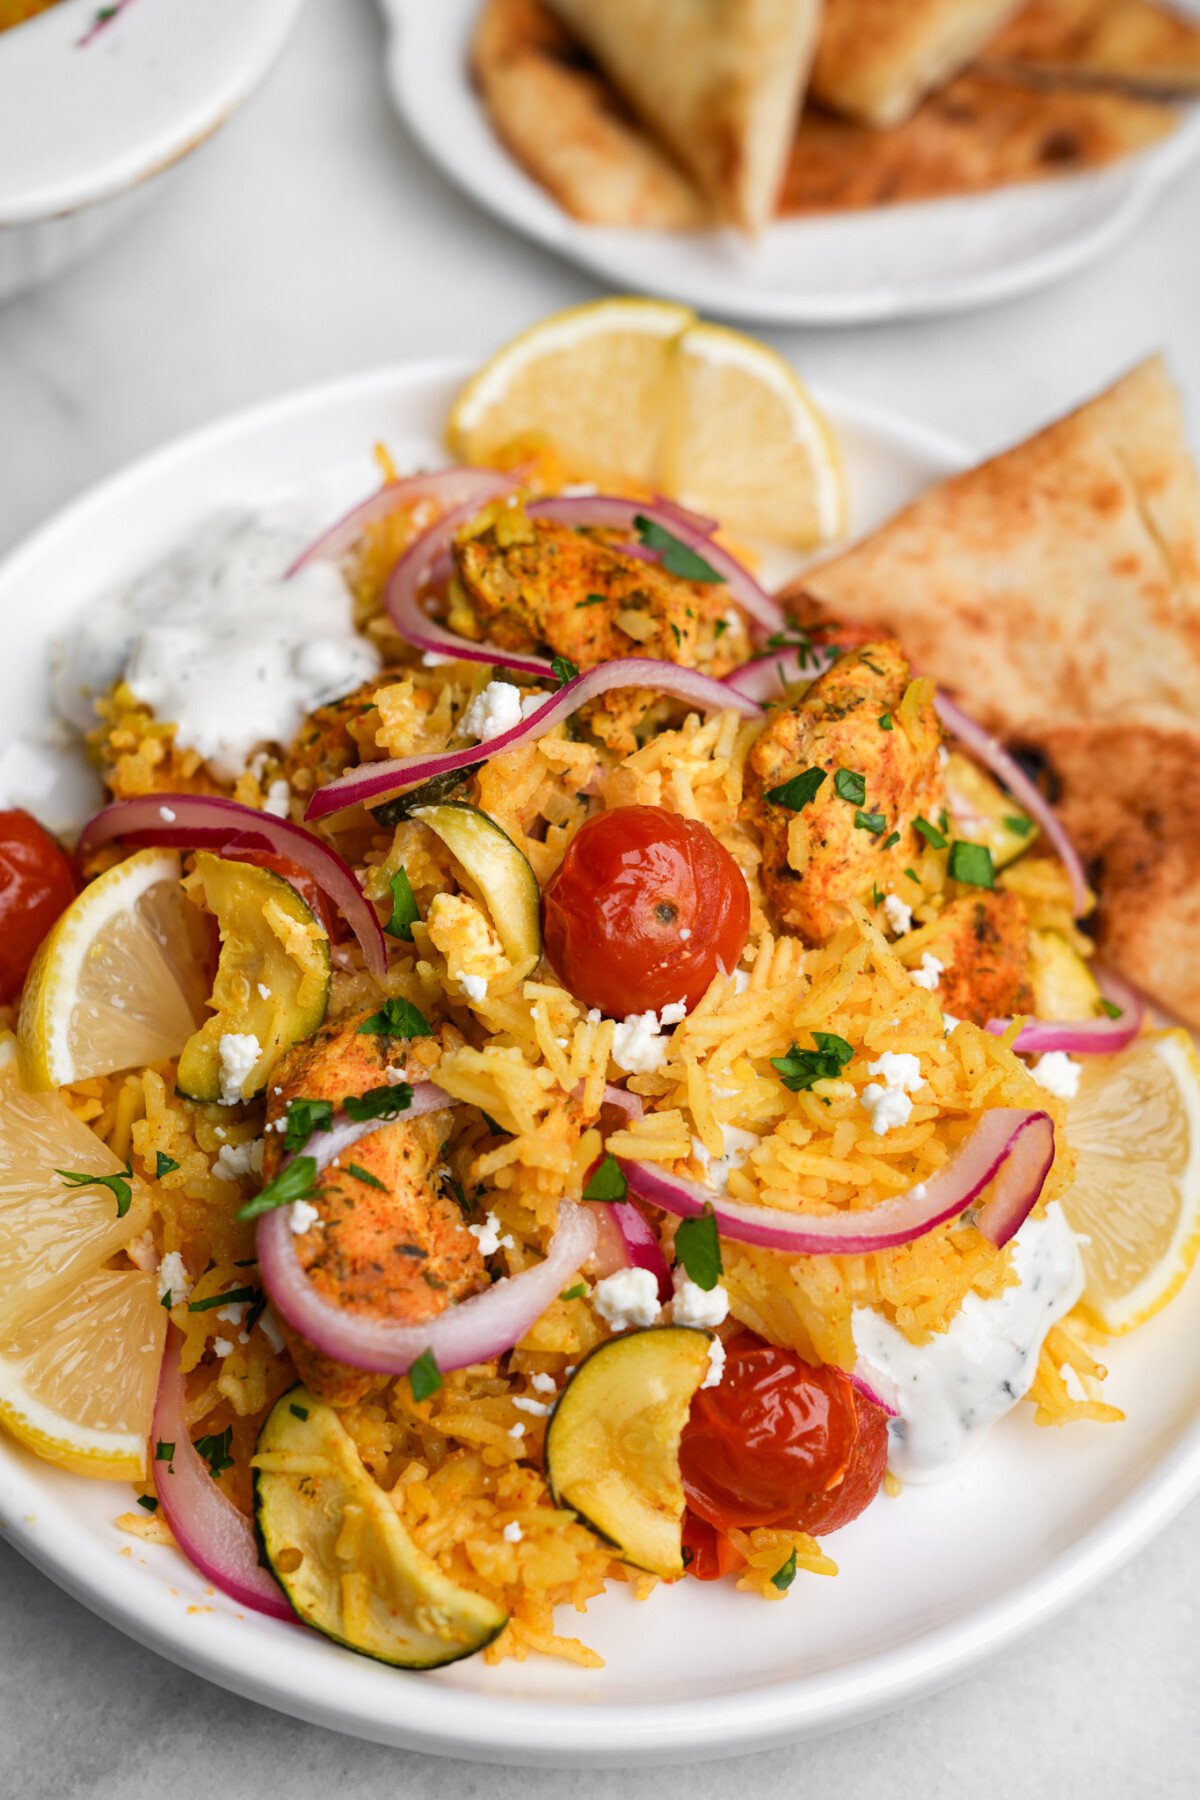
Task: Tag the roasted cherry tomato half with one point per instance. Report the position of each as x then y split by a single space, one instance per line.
707 1553
36 885
643 911
781 1443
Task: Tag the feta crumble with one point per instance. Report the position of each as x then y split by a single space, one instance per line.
930 972
236 1160
232 1315
238 1051
304 1216
512 1533
278 800
544 1384
694 1305
738 1145
638 1045
496 710
474 986
264 992
491 1236
538 1408
167 814
1057 1074
898 914
949 1022
269 1326
887 1099
716 1364
172 1278
630 1297
222 1347
517 1430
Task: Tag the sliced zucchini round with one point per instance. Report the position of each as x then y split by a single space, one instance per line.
612 1444
502 873
339 1552
273 975
1063 985
984 813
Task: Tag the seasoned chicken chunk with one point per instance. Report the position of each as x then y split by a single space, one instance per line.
982 939
880 769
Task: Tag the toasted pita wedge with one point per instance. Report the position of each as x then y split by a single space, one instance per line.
978 133
1129 797
1138 45
877 59
567 128
1059 582
718 82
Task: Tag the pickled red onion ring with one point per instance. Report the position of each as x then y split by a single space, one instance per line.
1083 1037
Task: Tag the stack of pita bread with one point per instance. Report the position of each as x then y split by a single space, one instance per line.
1056 592
676 113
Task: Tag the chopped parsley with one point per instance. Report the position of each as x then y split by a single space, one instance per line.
298 1412
1112 1009
677 632
885 721
404 908
875 823
850 785
913 876
164 1452
720 628
591 600
972 864
386 1102
366 1177
676 557
606 1181
1018 823
799 1069
167 1301
698 1248
563 670
424 1376
574 1293
892 838
164 1165
785 1574
215 1450
117 1185
232 1297
295 1181
304 1117
148 1503
929 832
398 1019
796 793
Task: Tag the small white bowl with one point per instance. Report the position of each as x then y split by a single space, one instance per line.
93 109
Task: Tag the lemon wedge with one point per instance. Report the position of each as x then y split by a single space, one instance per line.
1135 1127
77 1381
119 982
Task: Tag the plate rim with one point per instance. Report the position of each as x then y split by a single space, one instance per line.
450 1721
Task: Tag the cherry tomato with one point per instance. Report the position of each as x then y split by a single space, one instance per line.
781 1443
643 908
707 1552
36 885
313 896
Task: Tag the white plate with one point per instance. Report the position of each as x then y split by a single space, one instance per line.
890 262
930 1583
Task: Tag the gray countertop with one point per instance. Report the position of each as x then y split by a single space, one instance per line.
309 240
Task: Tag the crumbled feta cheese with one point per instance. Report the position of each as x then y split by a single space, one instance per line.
694 1305
897 1069
222 1347
531 702
232 1315
235 1160
264 992
279 800
172 1278
949 1022
738 1145
887 1099
497 709
1057 1074
538 1408
239 1051
304 1216
630 1297
638 1044
674 1013
433 659
930 972
545 1384
741 980
474 986
898 914
167 814
517 1430
716 1364
269 1326
489 1236
512 1533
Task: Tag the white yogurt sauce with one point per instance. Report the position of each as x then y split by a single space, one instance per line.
950 1391
217 643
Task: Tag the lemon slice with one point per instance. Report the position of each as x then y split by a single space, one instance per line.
593 381
119 981
1135 1126
77 1381
52 1234
747 443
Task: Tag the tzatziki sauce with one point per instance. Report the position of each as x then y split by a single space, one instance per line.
216 642
949 1392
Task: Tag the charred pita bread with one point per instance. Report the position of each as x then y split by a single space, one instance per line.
1061 580
1138 45
877 59
978 133
567 128
718 82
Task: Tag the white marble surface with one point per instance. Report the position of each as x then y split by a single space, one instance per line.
308 240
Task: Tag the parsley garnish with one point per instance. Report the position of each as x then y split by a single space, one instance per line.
876 823
386 1102
366 1177
117 1185
1018 823
972 864
698 1248
913 876
1110 1007
606 1181
304 1117
876 894
574 1293
215 1450
424 1376
148 1503
893 837
851 786
929 832
784 1576
563 670
676 557
398 1019
164 1165
295 1181
720 628
167 1300
404 908
796 793
298 1412
799 1069
885 721
165 1453
591 600
232 1297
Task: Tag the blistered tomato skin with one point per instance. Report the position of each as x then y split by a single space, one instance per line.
781 1443
644 910
36 885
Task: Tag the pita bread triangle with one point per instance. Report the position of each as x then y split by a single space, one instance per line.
1138 45
877 59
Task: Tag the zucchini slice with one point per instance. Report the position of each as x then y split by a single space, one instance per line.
272 979
1063 985
984 813
502 873
612 1445
339 1552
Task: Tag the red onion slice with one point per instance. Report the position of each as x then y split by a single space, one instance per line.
214 1536
1083 1037
450 488
632 1245
1010 1146
872 1394
684 515
764 678
612 512
1011 775
206 821
373 782
472 1331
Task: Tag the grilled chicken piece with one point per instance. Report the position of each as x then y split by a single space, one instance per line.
983 941
836 849
393 1245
